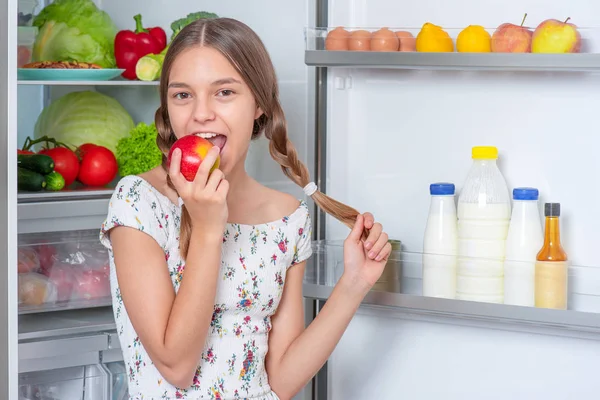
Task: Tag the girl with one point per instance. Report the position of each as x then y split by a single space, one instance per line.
232 325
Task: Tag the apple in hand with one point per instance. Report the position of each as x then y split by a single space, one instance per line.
511 38
193 151
554 36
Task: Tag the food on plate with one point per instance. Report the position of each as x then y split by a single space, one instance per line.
179 24
75 30
511 38
98 166
30 181
84 117
130 46
407 41
61 65
337 39
384 40
359 41
149 67
473 39
193 151
432 38
138 152
40 163
27 260
554 36
35 289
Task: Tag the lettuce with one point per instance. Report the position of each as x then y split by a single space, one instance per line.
75 30
138 152
85 117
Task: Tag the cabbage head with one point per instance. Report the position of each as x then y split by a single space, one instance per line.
85 117
75 30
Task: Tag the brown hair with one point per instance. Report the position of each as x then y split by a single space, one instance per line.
248 55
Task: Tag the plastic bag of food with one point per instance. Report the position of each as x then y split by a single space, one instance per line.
90 284
36 289
27 260
61 275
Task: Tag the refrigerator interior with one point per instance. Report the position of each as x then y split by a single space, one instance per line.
392 132
68 347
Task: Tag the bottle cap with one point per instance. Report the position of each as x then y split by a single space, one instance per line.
552 210
484 153
525 193
441 188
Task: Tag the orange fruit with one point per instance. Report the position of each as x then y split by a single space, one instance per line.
474 39
433 38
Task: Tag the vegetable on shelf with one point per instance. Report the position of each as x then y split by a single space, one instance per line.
98 165
181 23
75 30
54 181
65 160
40 163
29 180
149 67
138 152
130 46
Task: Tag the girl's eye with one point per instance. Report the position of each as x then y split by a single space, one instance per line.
181 96
226 92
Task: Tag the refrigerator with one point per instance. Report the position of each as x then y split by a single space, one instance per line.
375 129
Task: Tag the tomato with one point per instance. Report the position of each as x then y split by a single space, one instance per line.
81 150
98 166
66 163
19 151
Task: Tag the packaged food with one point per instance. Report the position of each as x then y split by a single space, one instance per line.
26 12
27 260
36 289
90 284
61 275
25 40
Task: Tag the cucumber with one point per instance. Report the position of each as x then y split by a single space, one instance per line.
54 181
39 163
29 180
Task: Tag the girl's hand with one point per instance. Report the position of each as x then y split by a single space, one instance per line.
205 198
364 261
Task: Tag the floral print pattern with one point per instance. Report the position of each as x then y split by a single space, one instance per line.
255 259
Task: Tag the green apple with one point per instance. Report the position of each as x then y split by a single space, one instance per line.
554 36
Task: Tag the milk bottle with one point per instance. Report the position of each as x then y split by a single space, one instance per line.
440 243
483 220
525 239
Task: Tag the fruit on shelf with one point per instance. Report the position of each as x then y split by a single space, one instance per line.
432 38
384 40
511 38
407 41
473 39
360 41
554 36
193 151
337 39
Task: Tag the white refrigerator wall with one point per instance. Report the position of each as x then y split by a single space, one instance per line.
392 133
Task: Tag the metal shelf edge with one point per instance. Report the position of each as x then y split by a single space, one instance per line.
581 62
575 321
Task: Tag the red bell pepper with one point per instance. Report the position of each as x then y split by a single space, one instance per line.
130 46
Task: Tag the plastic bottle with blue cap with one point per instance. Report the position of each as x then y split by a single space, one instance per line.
523 242
440 244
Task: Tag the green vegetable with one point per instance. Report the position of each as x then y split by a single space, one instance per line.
138 152
39 163
149 67
75 30
30 181
84 117
54 181
181 23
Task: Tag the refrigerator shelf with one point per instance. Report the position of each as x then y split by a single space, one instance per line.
401 288
62 215
455 61
115 82
66 323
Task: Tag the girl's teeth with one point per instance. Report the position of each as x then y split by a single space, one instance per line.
206 135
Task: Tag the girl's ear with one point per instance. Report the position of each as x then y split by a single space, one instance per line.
258 113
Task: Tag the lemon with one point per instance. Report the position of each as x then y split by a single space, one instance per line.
432 38
474 39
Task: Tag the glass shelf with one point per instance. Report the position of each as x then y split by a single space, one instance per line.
401 287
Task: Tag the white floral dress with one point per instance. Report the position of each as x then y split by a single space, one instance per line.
255 259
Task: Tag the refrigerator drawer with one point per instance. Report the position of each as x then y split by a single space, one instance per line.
61 271
92 382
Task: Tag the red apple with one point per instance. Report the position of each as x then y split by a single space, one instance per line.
554 36
193 151
511 38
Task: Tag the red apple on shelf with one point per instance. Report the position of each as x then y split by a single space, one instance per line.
193 151
511 38
556 37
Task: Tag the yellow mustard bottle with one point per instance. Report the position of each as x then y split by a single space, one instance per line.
551 267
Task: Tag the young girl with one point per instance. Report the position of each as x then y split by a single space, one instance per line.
232 325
